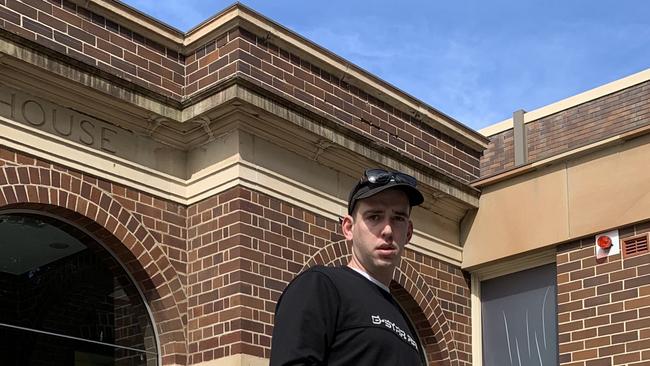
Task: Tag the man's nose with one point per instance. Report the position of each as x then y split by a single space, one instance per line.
387 229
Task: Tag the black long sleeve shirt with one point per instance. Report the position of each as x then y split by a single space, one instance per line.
335 316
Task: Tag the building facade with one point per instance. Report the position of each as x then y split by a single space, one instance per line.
199 173
554 181
159 189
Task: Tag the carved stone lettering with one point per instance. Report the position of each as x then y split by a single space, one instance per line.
56 122
62 124
65 122
88 128
7 103
106 136
33 112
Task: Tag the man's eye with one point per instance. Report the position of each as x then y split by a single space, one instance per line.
373 217
400 218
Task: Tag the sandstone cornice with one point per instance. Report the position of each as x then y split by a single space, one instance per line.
177 126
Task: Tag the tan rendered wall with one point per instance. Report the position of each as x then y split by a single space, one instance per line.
582 196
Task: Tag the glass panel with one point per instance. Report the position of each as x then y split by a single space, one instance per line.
57 279
22 347
519 314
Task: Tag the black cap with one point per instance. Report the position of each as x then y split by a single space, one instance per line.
365 188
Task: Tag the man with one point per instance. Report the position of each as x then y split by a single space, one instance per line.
346 315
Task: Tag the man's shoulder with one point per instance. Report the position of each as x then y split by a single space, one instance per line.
317 281
332 275
332 272
323 269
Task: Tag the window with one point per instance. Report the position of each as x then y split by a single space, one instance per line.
519 318
64 300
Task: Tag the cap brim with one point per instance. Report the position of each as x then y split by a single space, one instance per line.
414 196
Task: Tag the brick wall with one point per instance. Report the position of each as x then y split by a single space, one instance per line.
298 80
500 154
244 247
74 31
133 232
97 42
581 125
603 307
212 272
589 122
451 290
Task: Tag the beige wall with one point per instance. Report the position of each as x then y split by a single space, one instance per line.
569 199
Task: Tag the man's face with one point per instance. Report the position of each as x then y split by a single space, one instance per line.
379 229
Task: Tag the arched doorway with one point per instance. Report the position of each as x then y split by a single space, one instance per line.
431 341
65 300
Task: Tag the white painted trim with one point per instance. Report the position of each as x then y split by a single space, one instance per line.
79 157
477 322
570 102
448 252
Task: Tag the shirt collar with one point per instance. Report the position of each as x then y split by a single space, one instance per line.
371 279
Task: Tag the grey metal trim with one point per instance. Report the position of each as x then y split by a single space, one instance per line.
520 142
76 338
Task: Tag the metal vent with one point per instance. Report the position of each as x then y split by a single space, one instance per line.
635 245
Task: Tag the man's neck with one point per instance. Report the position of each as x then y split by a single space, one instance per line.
371 279
383 278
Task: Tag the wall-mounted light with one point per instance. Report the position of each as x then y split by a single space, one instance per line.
604 242
607 244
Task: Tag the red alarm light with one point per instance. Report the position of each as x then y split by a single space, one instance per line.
604 241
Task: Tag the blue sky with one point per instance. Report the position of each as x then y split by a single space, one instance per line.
475 60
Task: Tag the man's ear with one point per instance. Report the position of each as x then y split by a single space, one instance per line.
346 226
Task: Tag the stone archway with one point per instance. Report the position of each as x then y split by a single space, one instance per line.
415 295
79 200
436 354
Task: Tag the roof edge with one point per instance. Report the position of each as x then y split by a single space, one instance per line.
431 115
572 101
238 12
136 19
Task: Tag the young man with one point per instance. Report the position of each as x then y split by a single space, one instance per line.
346 315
